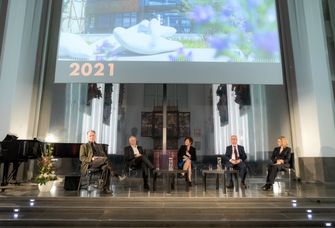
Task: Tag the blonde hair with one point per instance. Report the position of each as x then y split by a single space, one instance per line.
284 141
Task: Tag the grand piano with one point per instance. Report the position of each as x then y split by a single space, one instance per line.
18 151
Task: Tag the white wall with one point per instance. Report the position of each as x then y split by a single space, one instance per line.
17 80
314 104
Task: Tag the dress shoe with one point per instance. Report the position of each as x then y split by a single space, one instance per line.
267 187
4 183
146 187
243 185
190 183
107 191
230 186
13 182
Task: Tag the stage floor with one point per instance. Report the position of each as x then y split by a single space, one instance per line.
133 187
287 205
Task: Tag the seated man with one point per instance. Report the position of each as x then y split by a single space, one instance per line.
134 157
280 160
92 155
235 158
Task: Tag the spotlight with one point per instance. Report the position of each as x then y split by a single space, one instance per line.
309 216
50 138
16 210
293 201
309 211
328 224
16 215
294 204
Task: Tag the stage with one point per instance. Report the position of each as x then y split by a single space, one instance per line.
288 205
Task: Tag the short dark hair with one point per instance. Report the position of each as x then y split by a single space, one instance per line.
189 139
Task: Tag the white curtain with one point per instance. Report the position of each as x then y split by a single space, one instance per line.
249 123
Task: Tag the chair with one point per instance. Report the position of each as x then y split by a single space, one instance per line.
133 171
289 171
194 171
93 174
130 170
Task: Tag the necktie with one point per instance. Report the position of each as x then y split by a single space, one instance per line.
94 149
235 153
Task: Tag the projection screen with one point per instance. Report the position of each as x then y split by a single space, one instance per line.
169 41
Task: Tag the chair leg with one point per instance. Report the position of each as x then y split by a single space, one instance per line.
79 184
195 175
89 179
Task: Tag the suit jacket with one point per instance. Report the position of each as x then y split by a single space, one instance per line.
129 153
284 155
229 153
86 154
182 152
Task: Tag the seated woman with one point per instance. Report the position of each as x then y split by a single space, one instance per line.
187 155
280 160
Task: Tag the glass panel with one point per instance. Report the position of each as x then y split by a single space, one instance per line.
3 12
257 114
329 17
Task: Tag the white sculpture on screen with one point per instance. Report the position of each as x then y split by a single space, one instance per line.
147 38
144 38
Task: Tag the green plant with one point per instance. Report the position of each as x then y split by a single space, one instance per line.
46 167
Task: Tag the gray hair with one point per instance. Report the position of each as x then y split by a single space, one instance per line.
93 131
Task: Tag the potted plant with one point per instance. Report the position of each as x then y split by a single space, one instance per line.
47 174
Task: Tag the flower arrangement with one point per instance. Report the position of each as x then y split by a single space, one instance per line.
181 56
240 30
46 167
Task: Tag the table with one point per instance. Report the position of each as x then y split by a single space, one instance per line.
222 173
169 175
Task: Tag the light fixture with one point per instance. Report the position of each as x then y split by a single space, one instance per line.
50 138
16 213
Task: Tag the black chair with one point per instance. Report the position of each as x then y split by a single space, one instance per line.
194 171
289 171
93 176
130 170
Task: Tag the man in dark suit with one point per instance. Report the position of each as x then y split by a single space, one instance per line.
92 155
235 157
135 158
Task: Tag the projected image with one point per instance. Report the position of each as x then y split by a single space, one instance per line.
169 31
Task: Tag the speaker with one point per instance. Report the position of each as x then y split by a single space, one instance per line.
71 183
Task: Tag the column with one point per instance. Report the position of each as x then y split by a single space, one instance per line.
312 100
17 68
